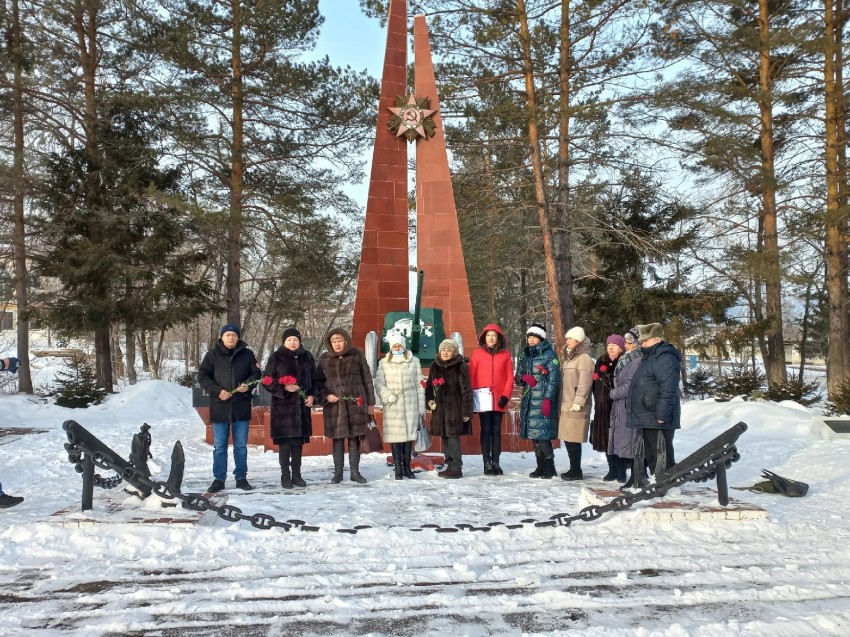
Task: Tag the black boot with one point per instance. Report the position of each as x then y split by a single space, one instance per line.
397 459
486 452
621 469
283 458
549 470
354 461
574 453
613 468
406 452
339 460
496 446
297 480
538 472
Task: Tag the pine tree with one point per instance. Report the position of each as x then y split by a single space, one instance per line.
78 386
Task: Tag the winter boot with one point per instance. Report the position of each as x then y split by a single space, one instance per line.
486 452
549 470
354 461
283 457
496 443
406 452
297 480
488 467
613 468
574 452
539 471
397 460
339 460
622 465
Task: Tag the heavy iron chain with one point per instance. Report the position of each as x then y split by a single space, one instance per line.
75 457
705 471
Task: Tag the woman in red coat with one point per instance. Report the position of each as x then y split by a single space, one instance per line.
491 368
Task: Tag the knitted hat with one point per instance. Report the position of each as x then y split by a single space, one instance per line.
397 339
449 344
537 330
577 333
653 330
618 340
290 331
230 327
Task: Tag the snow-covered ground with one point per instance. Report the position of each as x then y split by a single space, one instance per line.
788 575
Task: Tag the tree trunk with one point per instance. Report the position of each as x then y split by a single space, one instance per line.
837 361
130 344
539 180
775 362
86 25
143 350
152 363
804 330
117 358
21 279
234 264
563 238
103 358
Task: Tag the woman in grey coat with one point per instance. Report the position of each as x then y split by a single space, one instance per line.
622 439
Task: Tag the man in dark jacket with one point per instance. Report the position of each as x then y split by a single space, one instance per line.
653 404
227 373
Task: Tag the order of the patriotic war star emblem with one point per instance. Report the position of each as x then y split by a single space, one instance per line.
412 118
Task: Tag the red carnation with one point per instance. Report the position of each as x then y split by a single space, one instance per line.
424 383
542 369
360 401
267 380
288 380
603 368
439 382
595 376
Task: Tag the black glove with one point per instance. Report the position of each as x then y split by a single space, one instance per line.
503 400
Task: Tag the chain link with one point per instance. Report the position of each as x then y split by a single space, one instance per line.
705 470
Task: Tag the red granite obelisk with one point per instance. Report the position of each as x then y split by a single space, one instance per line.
382 282
439 251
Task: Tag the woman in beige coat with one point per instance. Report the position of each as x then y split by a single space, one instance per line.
399 384
577 382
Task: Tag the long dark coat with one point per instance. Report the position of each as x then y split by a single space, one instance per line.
603 383
541 362
621 439
453 398
654 394
224 368
345 374
290 417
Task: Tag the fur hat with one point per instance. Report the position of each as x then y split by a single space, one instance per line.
618 340
653 330
290 331
536 329
449 344
577 333
396 339
630 337
230 327
635 332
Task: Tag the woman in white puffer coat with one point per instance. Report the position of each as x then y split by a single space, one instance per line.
399 384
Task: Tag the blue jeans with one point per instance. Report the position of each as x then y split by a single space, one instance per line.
221 432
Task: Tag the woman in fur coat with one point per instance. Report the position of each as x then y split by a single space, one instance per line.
348 397
603 383
448 392
291 424
398 382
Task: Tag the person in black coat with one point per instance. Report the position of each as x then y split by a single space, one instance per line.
448 394
291 423
653 405
227 373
